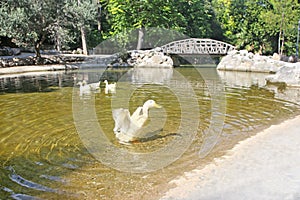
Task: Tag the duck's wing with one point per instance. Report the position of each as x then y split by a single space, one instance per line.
138 117
123 121
121 117
123 124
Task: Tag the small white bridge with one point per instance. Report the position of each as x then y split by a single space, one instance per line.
196 46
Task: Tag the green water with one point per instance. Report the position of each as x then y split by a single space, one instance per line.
42 154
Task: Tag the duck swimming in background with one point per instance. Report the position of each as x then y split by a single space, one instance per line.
109 87
94 86
84 89
127 127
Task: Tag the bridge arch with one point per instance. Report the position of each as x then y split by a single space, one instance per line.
197 46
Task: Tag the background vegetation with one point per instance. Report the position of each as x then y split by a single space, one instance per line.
263 26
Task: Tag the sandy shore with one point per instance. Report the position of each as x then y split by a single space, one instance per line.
265 166
33 68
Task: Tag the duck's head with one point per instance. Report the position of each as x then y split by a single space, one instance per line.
151 104
105 81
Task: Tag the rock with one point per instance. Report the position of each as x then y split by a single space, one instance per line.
276 56
16 51
243 52
291 59
288 74
233 52
7 51
150 58
78 51
141 58
3 52
246 61
47 60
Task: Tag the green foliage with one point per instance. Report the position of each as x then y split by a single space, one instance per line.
27 21
263 26
194 18
197 18
31 22
256 24
124 15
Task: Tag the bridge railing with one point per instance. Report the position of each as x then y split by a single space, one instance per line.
197 46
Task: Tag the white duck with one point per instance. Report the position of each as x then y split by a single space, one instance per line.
109 87
94 86
127 127
84 88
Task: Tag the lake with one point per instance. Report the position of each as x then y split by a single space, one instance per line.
57 139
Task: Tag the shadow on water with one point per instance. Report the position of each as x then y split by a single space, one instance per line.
155 136
35 82
52 81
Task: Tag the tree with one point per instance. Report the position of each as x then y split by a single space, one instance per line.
198 19
27 22
281 23
81 14
264 26
124 16
193 18
31 22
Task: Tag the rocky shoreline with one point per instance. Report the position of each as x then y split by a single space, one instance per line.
13 61
284 72
141 58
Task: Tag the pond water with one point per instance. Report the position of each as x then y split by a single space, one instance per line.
50 149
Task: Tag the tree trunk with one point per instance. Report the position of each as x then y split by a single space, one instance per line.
282 44
99 16
140 41
37 50
83 40
83 36
280 35
58 41
37 47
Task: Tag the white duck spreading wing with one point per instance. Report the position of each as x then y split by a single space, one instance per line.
127 127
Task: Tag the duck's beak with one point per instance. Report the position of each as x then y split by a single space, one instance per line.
157 106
